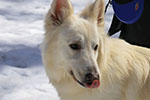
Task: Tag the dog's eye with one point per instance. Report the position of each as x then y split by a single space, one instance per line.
75 46
96 47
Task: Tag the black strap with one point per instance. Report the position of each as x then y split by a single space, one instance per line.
106 7
116 24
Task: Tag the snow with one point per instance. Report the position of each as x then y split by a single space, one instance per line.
22 75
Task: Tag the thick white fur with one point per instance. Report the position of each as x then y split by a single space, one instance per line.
124 68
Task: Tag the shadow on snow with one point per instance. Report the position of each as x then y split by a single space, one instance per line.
20 56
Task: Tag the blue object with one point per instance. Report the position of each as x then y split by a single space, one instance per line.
128 12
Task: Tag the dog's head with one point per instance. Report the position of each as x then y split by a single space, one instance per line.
74 40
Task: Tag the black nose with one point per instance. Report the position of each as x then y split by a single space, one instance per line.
89 78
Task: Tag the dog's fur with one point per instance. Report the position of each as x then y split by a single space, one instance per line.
124 69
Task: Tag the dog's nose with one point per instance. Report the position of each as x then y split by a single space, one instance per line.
92 80
90 77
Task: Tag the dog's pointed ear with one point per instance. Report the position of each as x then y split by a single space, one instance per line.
94 12
60 10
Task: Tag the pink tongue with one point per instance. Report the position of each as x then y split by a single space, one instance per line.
95 84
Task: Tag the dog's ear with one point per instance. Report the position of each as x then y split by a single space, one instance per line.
94 12
60 10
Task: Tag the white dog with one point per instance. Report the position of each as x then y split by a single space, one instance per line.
85 64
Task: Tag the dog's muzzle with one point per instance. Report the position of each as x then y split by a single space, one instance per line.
90 80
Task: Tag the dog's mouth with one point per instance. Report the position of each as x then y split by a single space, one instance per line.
87 84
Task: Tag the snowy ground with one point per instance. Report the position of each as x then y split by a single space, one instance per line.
22 76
